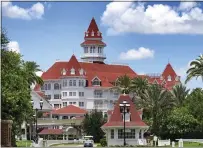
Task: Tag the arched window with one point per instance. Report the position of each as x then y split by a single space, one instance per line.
45 86
56 86
92 33
169 78
63 72
72 71
91 50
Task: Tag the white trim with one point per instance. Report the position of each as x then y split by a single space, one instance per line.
95 78
155 81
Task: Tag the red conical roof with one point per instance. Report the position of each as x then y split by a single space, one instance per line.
93 30
93 26
169 71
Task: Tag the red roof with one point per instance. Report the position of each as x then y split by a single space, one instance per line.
169 71
41 94
93 28
70 109
105 72
116 117
93 42
51 132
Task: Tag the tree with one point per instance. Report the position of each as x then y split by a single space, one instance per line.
138 86
15 93
196 69
155 100
194 102
31 68
180 93
123 84
179 123
92 123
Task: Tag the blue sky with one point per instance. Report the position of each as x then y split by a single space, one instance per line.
155 32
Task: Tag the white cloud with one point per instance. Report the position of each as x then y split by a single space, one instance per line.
14 11
123 17
133 54
187 5
13 46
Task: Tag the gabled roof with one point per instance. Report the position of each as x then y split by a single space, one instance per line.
70 109
116 117
169 71
93 42
51 132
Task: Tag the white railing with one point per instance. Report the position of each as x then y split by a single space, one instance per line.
94 55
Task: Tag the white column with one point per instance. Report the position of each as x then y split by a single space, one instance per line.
63 136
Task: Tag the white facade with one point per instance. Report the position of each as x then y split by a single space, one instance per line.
71 92
134 136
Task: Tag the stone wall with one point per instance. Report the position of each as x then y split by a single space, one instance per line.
6 126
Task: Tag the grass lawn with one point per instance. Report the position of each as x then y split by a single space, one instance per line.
191 144
23 143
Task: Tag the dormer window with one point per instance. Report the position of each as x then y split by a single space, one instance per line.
81 72
92 33
96 82
63 72
127 117
155 81
98 33
86 33
72 71
169 78
177 78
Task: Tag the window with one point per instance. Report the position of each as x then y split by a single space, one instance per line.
72 71
63 72
65 83
177 78
56 86
48 97
112 134
91 50
99 50
42 87
98 93
81 71
49 86
56 105
70 102
81 83
129 134
74 102
169 78
127 117
64 94
70 83
115 94
81 94
86 49
96 82
86 33
74 93
70 93
161 78
98 33
64 104
81 104
56 96
74 82
92 33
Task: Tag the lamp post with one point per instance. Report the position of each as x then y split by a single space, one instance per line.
35 116
124 108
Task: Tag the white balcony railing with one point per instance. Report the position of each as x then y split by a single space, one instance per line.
94 55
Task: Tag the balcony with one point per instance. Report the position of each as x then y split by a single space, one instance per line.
94 55
101 106
54 121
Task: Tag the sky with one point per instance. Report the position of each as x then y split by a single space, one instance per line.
144 35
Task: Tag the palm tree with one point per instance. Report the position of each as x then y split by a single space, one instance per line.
155 100
196 69
30 69
123 84
180 93
139 85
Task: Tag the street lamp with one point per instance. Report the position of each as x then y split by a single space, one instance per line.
35 120
124 108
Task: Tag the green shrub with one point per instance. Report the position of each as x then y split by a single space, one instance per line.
103 142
